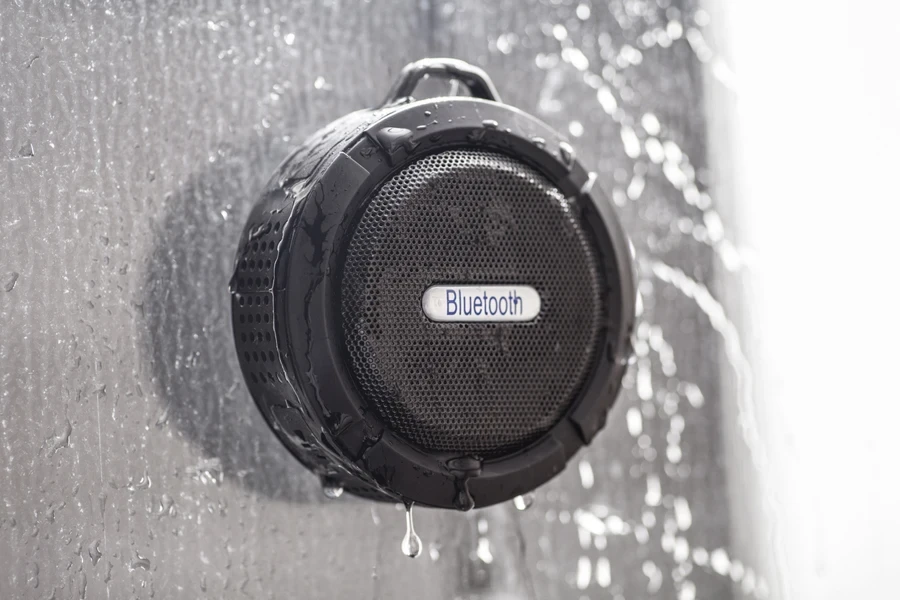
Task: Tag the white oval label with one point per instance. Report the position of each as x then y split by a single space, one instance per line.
481 303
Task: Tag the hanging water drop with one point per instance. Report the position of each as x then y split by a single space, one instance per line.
463 468
332 489
524 501
567 154
464 500
411 544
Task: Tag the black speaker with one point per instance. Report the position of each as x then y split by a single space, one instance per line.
431 301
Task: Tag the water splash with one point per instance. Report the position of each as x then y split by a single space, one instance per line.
615 93
656 157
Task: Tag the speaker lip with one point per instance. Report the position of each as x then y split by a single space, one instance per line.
322 224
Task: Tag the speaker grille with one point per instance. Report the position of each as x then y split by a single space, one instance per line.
469 217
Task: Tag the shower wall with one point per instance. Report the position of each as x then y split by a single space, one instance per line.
134 138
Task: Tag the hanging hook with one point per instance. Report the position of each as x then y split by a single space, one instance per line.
478 82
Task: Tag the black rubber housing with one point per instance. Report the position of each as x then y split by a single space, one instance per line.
286 310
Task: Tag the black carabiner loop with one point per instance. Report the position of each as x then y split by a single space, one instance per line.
478 82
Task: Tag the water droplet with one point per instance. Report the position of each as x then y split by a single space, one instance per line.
583 573
411 544
94 552
207 471
434 551
60 440
475 136
603 574
651 124
538 141
163 418
589 184
131 485
139 562
567 154
333 491
483 551
50 513
392 139
81 585
11 280
683 517
524 501
490 123
463 468
166 506
583 11
464 500
33 572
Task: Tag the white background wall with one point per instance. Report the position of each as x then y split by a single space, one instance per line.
811 92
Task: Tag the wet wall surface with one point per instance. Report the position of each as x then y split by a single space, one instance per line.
135 138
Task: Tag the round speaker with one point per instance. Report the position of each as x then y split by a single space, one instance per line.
431 303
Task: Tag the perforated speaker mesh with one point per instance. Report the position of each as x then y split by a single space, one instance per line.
469 217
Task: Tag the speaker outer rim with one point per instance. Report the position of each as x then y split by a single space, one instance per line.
323 222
